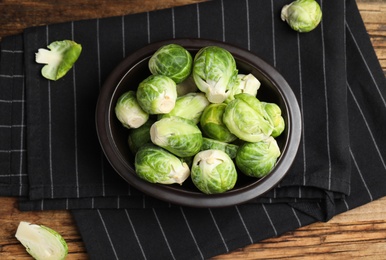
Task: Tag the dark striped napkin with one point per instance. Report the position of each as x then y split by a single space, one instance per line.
50 156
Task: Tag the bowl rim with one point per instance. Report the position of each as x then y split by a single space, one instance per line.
187 198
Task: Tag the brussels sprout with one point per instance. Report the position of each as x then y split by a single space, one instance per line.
244 84
211 144
213 171
129 112
258 159
171 60
41 242
214 68
189 106
246 118
157 94
139 136
302 15
60 58
178 135
212 124
274 112
156 165
186 86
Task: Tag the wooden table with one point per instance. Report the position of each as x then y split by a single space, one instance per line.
358 233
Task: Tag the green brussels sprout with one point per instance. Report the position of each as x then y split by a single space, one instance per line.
214 68
246 118
41 242
157 94
186 86
178 135
258 159
244 84
156 165
302 15
213 171
211 144
139 136
212 124
189 106
59 59
129 112
274 112
171 60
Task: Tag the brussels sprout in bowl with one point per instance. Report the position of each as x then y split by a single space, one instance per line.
113 136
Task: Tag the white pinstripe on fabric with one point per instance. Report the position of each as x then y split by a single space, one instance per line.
218 230
244 225
107 234
326 101
270 220
75 120
361 175
191 233
135 234
366 64
49 125
367 126
163 233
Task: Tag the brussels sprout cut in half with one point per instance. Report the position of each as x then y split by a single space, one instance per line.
258 159
41 242
129 112
157 94
59 59
213 171
178 135
302 15
246 118
156 165
214 68
171 60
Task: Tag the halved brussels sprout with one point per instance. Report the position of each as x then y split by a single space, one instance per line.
258 159
156 165
171 60
246 118
129 112
41 242
212 124
213 171
178 135
157 94
59 59
214 68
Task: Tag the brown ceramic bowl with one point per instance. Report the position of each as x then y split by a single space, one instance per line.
113 136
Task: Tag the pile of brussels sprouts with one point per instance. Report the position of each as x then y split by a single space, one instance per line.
199 117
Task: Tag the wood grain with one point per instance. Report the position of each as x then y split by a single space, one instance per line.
359 233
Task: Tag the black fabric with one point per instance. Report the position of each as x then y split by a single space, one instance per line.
50 156
64 156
